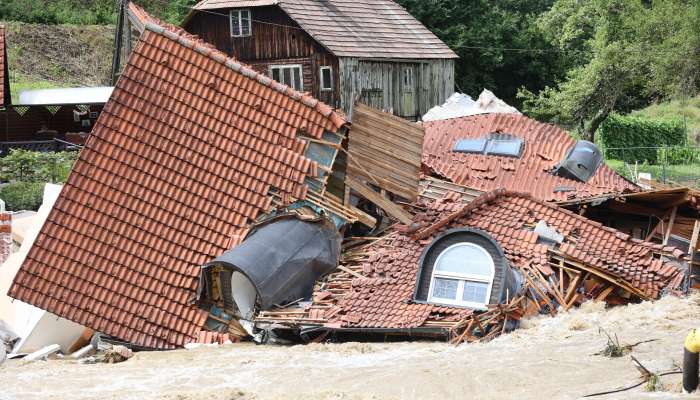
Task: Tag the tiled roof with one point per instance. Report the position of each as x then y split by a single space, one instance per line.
383 297
355 28
185 155
4 94
545 145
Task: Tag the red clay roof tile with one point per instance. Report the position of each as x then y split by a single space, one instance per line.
545 145
168 177
383 298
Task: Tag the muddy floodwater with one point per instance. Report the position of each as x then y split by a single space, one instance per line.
548 358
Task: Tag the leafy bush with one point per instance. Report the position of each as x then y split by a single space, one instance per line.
639 137
33 166
679 155
20 196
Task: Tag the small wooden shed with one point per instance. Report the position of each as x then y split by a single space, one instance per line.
338 50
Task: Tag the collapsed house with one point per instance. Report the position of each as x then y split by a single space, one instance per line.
472 271
209 203
191 149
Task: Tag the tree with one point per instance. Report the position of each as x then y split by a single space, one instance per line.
497 42
624 55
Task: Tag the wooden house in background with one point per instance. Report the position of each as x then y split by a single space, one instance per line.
338 50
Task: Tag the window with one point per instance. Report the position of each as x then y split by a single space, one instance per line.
470 146
495 144
240 23
408 79
326 79
290 75
462 275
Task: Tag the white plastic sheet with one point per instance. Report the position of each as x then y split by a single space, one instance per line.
462 105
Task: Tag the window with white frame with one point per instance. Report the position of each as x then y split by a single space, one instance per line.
290 75
240 23
408 79
326 76
463 276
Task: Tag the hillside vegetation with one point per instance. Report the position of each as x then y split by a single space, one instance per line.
46 56
85 12
686 110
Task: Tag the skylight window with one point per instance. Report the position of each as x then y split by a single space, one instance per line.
495 144
505 147
470 146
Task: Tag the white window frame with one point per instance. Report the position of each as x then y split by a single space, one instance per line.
240 32
282 67
461 278
320 76
408 79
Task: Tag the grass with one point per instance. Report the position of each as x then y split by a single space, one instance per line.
687 110
684 175
19 83
52 56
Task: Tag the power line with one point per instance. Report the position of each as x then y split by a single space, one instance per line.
465 46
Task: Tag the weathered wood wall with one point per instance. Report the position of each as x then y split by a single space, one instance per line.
276 39
380 84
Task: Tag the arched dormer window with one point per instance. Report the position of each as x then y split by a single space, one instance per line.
465 267
463 275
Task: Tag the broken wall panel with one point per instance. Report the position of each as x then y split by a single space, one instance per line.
385 150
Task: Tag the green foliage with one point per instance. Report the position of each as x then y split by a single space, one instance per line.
86 12
628 132
20 196
686 110
32 166
679 155
623 55
484 33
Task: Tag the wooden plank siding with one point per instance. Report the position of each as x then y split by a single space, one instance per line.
385 150
380 84
276 40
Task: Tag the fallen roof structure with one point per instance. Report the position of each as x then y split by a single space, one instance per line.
383 286
667 216
4 71
365 29
541 148
191 149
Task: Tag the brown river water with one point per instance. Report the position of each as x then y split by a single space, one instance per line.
548 358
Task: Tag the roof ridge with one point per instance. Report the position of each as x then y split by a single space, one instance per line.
207 50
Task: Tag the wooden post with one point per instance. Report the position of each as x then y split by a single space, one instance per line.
694 239
670 225
116 56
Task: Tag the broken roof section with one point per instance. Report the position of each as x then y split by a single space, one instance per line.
376 288
543 147
190 149
4 71
354 28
